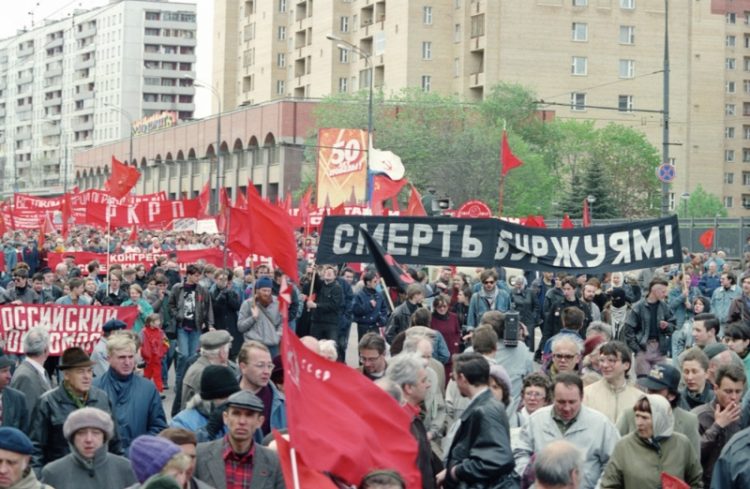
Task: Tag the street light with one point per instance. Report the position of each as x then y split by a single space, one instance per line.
214 206
127 115
591 199
685 197
346 44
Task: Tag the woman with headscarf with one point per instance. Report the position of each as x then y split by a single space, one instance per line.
640 458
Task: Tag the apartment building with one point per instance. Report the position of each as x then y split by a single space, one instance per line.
588 59
81 81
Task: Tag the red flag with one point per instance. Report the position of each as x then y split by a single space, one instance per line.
42 236
204 198
239 238
287 202
3 228
586 213
567 223
669 481
415 207
67 212
384 188
221 216
535 222
338 210
239 200
707 239
133 238
307 477
507 158
122 179
371 431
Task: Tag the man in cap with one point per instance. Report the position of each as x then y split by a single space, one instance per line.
13 408
215 346
75 392
89 465
235 460
30 376
15 456
664 379
135 401
99 355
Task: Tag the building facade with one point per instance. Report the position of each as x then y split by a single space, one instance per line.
79 82
600 60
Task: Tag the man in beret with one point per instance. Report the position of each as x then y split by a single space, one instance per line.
75 392
15 457
88 465
215 346
235 460
13 410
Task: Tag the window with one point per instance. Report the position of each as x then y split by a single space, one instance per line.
343 55
456 67
731 41
343 84
746 132
280 89
627 4
746 63
344 24
627 34
364 78
625 103
426 50
729 178
729 155
355 25
579 65
282 5
728 202
729 132
577 101
729 109
627 68
426 83
745 178
730 63
457 33
731 18
580 3
580 31
746 201
477 25
746 155
730 87
427 15
281 60
281 33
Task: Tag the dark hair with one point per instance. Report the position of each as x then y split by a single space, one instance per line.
496 319
657 281
473 366
695 355
568 280
737 331
537 379
642 405
709 322
731 277
706 303
38 277
441 299
372 341
20 273
369 276
421 317
179 436
734 372
572 318
488 273
75 283
192 269
615 347
568 380
484 340
382 478
92 266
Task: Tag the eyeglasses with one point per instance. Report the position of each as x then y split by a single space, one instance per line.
264 366
369 359
563 356
533 394
489 282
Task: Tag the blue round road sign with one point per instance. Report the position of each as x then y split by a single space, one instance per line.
665 172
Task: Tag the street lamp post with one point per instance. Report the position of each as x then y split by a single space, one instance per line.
219 162
368 64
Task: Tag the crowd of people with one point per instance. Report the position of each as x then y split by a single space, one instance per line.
512 378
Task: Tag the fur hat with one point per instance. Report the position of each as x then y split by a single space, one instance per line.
89 417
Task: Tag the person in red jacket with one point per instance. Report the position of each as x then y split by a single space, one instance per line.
154 346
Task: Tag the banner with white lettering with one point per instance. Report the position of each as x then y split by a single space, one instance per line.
146 215
67 325
93 196
488 242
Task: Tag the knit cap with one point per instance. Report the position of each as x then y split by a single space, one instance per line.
263 282
218 382
89 417
149 454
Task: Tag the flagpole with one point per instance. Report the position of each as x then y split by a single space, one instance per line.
502 177
109 241
387 295
226 234
295 472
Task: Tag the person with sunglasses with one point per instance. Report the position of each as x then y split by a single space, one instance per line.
490 297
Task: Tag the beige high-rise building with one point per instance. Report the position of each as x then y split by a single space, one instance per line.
598 59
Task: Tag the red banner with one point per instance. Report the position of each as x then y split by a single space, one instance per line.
146 215
214 256
67 325
82 199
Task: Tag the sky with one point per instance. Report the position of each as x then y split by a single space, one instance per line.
20 14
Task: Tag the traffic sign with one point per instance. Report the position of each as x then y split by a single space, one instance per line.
665 172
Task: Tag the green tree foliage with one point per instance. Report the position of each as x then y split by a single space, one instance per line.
701 204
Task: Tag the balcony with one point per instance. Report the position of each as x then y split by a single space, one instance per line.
83 125
26 50
25 78
82 64
23 108
23 133
54 43
85 30
50 102
175 57
478 43
476 80
83 95
49 129
53 71
22 164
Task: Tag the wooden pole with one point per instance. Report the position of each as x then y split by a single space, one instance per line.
387 295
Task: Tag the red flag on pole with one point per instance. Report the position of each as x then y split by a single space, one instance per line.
67 212
586 213
306 477
204 199
122 179
371 431
338 210
415 207
384 188
508 159
567 223
707 239
240 201
221 217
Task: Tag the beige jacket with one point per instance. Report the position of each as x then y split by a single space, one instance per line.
610 402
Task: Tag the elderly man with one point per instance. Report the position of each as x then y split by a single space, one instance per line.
13 410
256 366
88 465
15 456
236 460
566 353
215 346
558 466
135 401
54 406
30 377
567 419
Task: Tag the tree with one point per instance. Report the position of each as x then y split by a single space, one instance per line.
596 183
701 204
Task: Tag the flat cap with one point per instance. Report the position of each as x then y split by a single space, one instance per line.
15 440
216 338
245 400
113 325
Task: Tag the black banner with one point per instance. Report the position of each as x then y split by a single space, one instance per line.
488 242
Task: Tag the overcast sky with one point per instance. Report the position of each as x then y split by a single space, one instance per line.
18 15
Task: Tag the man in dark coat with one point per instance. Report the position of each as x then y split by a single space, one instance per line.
13 409
30 376
480 454
226 303
328 306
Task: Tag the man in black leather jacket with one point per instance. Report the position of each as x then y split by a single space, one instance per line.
480 455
